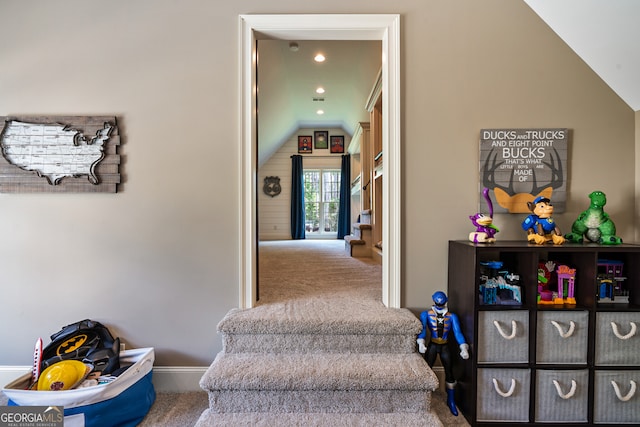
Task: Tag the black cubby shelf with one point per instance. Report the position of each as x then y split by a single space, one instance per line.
534 364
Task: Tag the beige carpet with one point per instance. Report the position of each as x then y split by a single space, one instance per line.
184 409
324 305
293 269
297 278
312 287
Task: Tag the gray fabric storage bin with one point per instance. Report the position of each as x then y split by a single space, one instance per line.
563 404
609 408
612 350
492 406
493 347
568 344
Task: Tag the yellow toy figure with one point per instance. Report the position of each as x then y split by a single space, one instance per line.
540 226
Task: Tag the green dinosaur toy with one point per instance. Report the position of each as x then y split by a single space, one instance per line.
594 224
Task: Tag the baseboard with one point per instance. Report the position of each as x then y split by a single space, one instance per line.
177 379
275 236
8 374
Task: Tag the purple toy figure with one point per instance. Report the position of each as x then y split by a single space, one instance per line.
485 230
439 322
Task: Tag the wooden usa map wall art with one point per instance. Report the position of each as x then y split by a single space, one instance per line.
68 154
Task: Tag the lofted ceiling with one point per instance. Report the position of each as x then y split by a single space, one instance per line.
605 34
287 80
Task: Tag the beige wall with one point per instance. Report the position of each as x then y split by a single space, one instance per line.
158 262
274 213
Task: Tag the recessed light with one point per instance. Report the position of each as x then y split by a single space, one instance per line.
293 46
319 58
320 90
320 112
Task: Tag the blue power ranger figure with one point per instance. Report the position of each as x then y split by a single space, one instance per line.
439 322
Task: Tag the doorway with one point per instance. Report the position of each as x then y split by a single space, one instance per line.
321 27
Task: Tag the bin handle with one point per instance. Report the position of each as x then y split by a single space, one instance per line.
632 391
507 393
139 368
514 330
617 333
571 392
572 327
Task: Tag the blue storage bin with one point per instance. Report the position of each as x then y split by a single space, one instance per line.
122 402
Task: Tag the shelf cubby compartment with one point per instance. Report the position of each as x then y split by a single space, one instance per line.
591 341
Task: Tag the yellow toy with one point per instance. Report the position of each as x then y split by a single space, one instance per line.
540 226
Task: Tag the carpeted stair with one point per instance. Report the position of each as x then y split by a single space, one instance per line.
358 243
319 363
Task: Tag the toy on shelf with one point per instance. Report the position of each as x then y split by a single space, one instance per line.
610 282
485 230
556 286
594 224
566 285
498 286
539 225
545 270
604 289
439 322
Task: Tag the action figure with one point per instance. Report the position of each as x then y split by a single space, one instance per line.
594 224
540 226
439 322
485 230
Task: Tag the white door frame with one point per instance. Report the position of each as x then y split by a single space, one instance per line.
384 27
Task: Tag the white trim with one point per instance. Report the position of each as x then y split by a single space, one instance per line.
173 379
391 185
384 27
248 166
8 373
177 379
375 93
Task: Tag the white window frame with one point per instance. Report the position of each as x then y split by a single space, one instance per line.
321 233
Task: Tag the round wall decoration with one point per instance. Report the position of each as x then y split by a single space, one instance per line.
272 186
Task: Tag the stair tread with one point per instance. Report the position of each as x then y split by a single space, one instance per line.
318 343
353 240
210 418
361 226
344 371
366 319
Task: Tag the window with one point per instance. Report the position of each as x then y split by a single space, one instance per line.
321 200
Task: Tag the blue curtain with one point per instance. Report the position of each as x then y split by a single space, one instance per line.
344 211
297 198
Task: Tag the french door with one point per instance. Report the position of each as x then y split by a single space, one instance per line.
321 202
